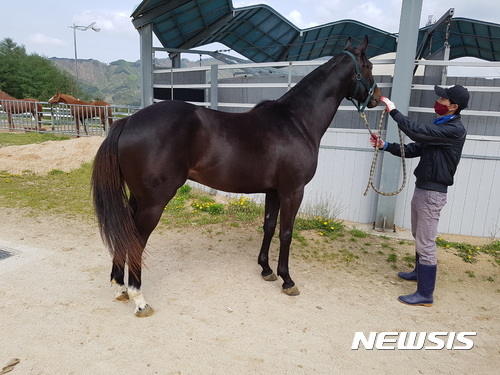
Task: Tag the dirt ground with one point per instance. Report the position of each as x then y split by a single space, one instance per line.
214 313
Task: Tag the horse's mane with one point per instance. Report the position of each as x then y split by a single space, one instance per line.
261 103
316 74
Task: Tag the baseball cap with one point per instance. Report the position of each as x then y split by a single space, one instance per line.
457 94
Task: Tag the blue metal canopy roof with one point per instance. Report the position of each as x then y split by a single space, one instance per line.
263 35
467 37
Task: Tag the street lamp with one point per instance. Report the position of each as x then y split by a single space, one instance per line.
81 28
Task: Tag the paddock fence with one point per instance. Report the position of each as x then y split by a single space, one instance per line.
59 119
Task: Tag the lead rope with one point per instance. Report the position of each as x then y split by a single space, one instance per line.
375 156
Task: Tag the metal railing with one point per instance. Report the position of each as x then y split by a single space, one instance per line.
213 86
62 118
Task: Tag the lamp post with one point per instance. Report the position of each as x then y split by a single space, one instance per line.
81 28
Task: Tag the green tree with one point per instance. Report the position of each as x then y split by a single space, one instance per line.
32 76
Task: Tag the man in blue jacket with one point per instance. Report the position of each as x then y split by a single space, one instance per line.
439 146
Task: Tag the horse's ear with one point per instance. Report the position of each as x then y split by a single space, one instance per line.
363 45
348 43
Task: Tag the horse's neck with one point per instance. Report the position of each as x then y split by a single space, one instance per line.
68 99
317 97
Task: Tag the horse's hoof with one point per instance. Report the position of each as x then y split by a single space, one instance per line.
123 297
270 277
145 312
293 291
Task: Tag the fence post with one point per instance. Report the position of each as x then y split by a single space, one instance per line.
214 86
146 41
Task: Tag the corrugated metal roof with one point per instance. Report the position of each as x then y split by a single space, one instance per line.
467 37
263 35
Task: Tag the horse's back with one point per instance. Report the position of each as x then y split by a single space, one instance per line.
239 152
100 103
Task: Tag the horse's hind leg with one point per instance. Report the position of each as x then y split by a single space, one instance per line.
118 268
77 122
270 219
148 213
118 281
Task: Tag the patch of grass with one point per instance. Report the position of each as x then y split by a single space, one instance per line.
410 260
470 274
184 191
330 228
56 192
469 252
208 206
190 206
244 209
392 258
358 233
19 139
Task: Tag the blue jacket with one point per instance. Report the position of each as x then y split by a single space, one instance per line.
438 145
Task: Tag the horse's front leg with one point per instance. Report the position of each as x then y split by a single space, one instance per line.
270 219
289 206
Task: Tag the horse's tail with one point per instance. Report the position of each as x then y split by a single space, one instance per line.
111 204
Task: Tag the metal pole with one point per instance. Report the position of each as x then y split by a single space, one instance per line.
214 86
146 38
76 58
401 88
82 28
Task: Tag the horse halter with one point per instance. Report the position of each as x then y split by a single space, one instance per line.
360 79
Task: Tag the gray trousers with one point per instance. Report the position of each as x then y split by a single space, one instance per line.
426 207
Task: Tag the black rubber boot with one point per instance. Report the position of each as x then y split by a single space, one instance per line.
412 275
426 281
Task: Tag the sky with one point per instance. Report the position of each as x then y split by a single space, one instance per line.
42 26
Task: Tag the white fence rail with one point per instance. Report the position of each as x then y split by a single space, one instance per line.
59 118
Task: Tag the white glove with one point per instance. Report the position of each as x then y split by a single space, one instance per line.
388 104
376 141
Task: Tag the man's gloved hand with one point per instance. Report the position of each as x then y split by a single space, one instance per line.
376 141
389 106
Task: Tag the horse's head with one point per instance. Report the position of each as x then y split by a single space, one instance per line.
57 98
364 88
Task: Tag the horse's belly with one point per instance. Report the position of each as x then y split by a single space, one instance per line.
232 181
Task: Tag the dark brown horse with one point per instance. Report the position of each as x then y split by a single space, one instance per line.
272 149
81 110
12 105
